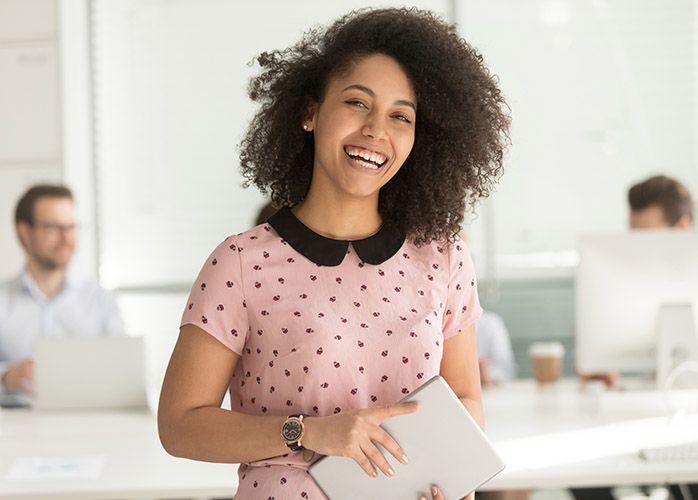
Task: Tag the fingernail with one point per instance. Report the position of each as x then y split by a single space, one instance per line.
434 491
391 472
404 459
373 473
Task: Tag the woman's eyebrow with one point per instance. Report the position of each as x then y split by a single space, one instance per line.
363 88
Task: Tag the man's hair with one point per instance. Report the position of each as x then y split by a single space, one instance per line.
24 212
672 197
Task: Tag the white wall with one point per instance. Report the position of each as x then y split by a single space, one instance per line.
30 111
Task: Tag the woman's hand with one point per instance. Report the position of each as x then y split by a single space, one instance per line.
437 495
353 434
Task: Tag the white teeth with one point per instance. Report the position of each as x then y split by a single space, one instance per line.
366 164
366 154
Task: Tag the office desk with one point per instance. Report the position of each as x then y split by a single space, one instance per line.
553 438
561 436
135 465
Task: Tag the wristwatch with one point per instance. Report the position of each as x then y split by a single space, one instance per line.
292 432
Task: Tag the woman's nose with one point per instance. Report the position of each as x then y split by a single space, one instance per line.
374 128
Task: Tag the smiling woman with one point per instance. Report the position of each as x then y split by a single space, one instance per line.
372 136
460 131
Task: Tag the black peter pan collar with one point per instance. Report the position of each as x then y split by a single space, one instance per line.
324 251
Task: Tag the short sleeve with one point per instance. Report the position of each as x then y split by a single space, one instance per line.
216 302
462 304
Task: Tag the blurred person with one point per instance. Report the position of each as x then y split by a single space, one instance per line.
659 202
495 355
46 299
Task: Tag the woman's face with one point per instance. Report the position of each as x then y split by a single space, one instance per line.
364 128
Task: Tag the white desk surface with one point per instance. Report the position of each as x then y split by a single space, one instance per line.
550 438
560 436
136 465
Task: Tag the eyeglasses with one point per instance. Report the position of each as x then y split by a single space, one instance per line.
54 229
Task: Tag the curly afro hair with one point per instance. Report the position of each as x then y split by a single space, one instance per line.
461 130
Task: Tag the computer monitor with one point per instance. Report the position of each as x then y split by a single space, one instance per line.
623 282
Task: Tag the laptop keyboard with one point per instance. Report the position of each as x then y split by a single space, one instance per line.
686 452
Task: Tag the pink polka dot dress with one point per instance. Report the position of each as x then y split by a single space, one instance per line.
324 326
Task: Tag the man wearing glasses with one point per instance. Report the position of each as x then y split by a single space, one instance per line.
47 299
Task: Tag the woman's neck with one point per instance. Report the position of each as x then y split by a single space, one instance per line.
347 220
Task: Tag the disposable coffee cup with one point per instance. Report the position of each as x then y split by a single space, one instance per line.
546 361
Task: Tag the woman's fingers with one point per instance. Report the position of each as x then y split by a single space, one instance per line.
373 453
360 458
390 411
392 446
435 494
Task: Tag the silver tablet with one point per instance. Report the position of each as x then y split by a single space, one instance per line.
444 444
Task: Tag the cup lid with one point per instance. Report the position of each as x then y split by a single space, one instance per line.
552 349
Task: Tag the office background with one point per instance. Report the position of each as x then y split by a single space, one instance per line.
138 106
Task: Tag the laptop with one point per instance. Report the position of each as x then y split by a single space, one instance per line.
444 444
88 373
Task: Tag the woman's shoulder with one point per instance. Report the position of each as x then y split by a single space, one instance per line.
442 247
253 241
259 235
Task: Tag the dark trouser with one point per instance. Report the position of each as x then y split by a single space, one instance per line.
678 494
604 493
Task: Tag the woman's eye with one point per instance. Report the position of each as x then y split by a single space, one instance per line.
353 102
402 118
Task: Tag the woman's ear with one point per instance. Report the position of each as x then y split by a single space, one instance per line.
310 117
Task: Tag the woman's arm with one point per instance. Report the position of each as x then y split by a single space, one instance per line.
459 367
191 422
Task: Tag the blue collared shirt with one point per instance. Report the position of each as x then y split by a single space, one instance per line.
81 308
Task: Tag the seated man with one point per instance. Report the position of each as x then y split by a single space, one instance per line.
46 299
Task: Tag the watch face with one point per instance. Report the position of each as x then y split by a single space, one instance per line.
291 430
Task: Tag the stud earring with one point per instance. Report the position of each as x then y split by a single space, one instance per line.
305 127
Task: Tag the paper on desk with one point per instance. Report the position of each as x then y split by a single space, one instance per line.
38 468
